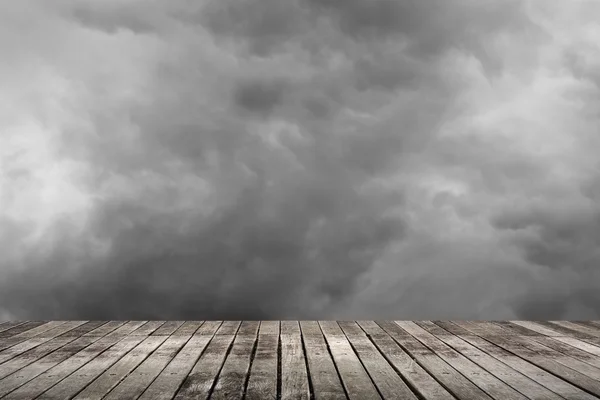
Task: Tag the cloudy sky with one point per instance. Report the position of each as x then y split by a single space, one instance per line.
242 159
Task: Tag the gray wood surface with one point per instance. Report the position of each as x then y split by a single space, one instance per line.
425 360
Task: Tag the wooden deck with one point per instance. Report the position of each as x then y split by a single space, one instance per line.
300 360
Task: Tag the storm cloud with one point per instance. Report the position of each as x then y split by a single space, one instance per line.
242 159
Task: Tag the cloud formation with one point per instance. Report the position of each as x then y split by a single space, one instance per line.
299 159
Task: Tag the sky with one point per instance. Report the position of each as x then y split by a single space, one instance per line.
300 159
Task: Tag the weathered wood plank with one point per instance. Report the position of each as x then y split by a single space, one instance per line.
148 328
482 378
11 343
111 377
83 329
49 378
32 355
6 325
589 324
11 329
201 379
188 328
537 328
433 329
166 385
325 380
26 374
232 378
105 329
168 328
548 360
77 381
262 383
417 377
567 349
515 329
573 327
567 355
290 328
451 379
387 380
294 376
512 377
42 338
62 336
580 344
539 375
137 381
126 329
536 360
355 378
229 328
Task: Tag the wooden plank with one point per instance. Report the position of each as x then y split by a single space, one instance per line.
451 379
62 336
325 380
565 332
43 337
355 378
48 329
83 329
419 379
589 324
515 329
294 376
136 382
433 329
389 384
580 344
148 328
10 324
188 328
548 360
168 328
15 328
510 376
567 355
103 330
109 378
269 328
484 328
65 368
26 374
262 383
209 328
232 378
486 381
290 328
9 344
537 374
593 332
229 328
198 384
569 358
567 349
539 329
32 355
166 385
77 381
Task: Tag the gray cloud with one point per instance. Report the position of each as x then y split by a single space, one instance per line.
298 159
259 97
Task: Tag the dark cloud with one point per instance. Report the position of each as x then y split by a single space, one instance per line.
259 97
298 159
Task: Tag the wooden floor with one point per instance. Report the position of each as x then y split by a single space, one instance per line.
300 360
